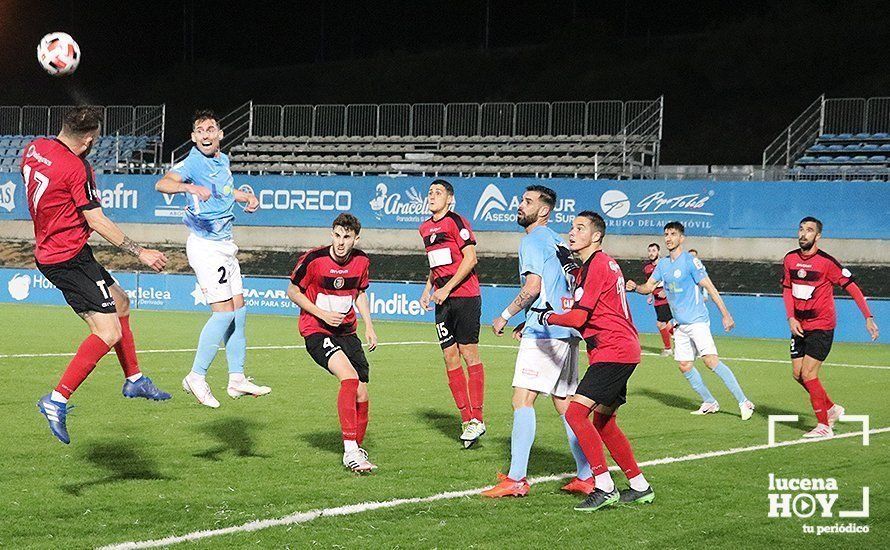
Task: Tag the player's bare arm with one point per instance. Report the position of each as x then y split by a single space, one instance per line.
527 296
296 296
100 223
708 285
253 204
364 309
646 288
467 264
172 183
426 295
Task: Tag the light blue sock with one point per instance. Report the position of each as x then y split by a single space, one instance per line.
581 464
521 441
699 386
725 374
236 342
211 335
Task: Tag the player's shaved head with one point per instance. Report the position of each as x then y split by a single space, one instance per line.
81 121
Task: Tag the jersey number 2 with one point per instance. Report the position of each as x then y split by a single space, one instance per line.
222 275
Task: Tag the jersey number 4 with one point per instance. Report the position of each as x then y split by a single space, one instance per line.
41 181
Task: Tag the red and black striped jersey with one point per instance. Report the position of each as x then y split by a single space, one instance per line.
444 240
811 280
332 286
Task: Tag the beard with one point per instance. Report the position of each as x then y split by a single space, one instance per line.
806 245
525 221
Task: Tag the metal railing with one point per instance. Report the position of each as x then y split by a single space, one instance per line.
641 140
44 120
236 126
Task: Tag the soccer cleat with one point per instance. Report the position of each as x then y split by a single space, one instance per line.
598 499
819 432
357 461
707 408
834 413
666 353
508 488
631 495
55 413
144 387
246 387
747 410
197 386
580 486
473 430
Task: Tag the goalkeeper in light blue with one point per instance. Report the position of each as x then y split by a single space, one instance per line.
685 279
204 176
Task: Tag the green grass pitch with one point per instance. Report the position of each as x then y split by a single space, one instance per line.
140 470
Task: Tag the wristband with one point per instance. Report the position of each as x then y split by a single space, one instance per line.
506 315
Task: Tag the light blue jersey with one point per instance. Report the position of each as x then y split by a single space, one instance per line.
681 278
543 253
210 219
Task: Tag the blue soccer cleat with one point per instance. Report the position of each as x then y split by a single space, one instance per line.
55 414
144 388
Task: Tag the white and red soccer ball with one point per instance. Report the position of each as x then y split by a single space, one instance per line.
58 54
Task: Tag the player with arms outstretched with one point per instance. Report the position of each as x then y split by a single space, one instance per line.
64 204
453 287
808 279
658 299
325 283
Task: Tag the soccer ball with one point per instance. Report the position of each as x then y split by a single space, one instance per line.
58 54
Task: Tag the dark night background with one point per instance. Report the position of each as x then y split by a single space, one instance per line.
733 74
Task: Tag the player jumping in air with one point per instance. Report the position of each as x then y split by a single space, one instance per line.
453 287
808 279
601 314
325 283
205 176
547 362
64 203
659 299
683 276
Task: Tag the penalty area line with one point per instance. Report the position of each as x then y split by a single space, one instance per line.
351 509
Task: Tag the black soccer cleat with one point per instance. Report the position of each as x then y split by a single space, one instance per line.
598 499
631 495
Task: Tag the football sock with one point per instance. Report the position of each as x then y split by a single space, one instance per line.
604 482
695 380
346 408
208 343
88 354
236 343
725 374
350 445
521 441
458 384
581 464
135 377
361 416
617 443
665 337
589 439
476 386
57 397
126 350
638 483
818 399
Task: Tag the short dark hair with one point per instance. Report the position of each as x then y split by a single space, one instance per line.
596 221
347 221
655 245
693 251
548 196
82 120
815 221
448 187
204 114
675 225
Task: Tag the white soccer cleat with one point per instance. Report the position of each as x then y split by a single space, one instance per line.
819 432
707 408
834 413
197 386
244 387
357 461
747 410
666 353
473 430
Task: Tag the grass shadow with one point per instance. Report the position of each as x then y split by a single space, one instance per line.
232 434
123 460
446 424
330 441
803 423
542 460
654 349
670 399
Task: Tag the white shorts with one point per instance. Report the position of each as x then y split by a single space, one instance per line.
691 341
216 267
547 366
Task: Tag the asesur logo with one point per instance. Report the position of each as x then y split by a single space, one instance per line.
19 286
491 199
7 196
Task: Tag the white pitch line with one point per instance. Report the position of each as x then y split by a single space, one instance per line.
350 509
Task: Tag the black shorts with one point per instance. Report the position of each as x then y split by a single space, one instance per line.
321 347
84 283
457 321
815 343
606 383
663 313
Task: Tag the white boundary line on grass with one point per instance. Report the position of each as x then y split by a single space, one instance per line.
425 342
350 509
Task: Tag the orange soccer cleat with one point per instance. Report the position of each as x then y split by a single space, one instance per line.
507 488
580 486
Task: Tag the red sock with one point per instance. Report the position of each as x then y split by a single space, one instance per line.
477 389
670 328
88 354
617 443
589 439
346 408
665 337
458 384
361 415
126 349
818 398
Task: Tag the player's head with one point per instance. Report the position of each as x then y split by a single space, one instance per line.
693 252
537 203
206 132
652 251
345 233
809 232
441 196
674 235
588 229
80 127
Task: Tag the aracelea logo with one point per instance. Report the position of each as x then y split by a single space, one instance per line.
412 208
491 199
19 286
